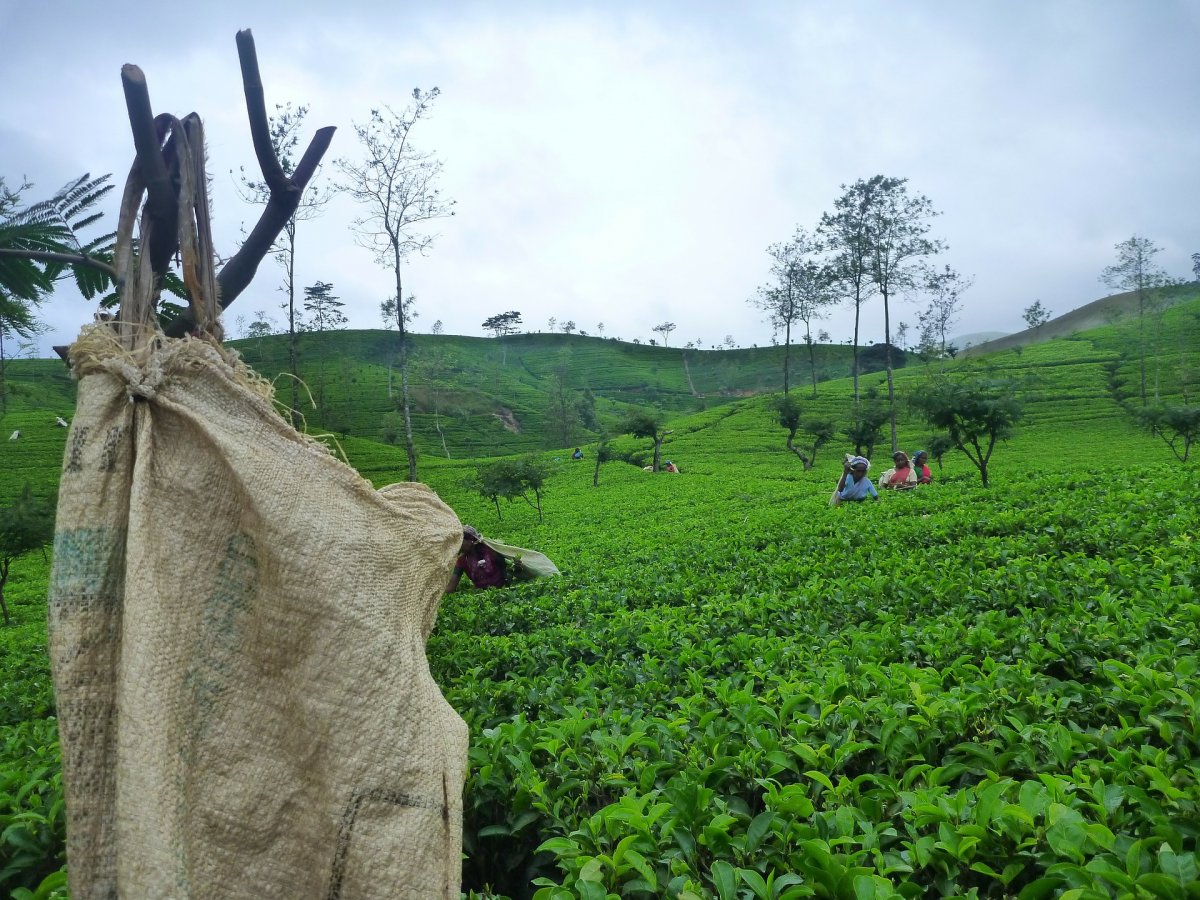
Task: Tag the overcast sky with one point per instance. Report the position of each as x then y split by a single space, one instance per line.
629 163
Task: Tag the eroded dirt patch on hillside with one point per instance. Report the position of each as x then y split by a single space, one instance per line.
508 420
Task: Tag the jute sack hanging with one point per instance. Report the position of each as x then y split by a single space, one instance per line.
237 631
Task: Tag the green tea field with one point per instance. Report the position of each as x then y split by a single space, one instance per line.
735 690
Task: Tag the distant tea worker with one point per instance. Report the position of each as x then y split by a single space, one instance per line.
901 476
479 562
854 485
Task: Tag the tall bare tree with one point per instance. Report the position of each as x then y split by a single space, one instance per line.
396 184
944 289
898 243
1136 271
665 330
792 295
284 130
846 233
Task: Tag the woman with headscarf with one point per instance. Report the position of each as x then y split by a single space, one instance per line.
921 467
479 562
901 476
854 484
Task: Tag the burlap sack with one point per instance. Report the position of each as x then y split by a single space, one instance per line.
237 631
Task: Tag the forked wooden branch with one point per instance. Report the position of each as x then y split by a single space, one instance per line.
162 201
158 165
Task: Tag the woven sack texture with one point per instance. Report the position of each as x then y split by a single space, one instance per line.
237 633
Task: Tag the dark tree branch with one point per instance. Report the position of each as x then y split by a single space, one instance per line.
286 192
162 202
256 106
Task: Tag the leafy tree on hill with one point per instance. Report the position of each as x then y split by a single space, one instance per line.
866 424
802 292
323 307
898 229
325 314
665 330
647 425
260 328
945 290
510 479
1177 426
874 359
975 413
502 324
562 408
846 234
396 184
26 525
1136 271
604 453
1036 315
787 411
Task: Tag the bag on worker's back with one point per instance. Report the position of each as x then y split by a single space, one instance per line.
526 563
237 631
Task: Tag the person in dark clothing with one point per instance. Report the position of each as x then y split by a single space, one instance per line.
479 562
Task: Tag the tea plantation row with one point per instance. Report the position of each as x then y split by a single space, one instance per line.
739 691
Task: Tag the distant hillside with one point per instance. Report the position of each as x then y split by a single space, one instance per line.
1070 405
480 397
495 396
1105 311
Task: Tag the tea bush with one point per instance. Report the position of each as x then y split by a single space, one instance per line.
737 691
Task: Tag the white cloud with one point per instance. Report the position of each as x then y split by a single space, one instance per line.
629 163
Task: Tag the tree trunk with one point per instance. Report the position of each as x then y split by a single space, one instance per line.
791 445
437 423
3 581
787 353
291 286
409 449
857 314
812 361
1142 344
3 381
887 339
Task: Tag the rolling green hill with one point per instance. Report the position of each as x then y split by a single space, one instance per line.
492 396
957 691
